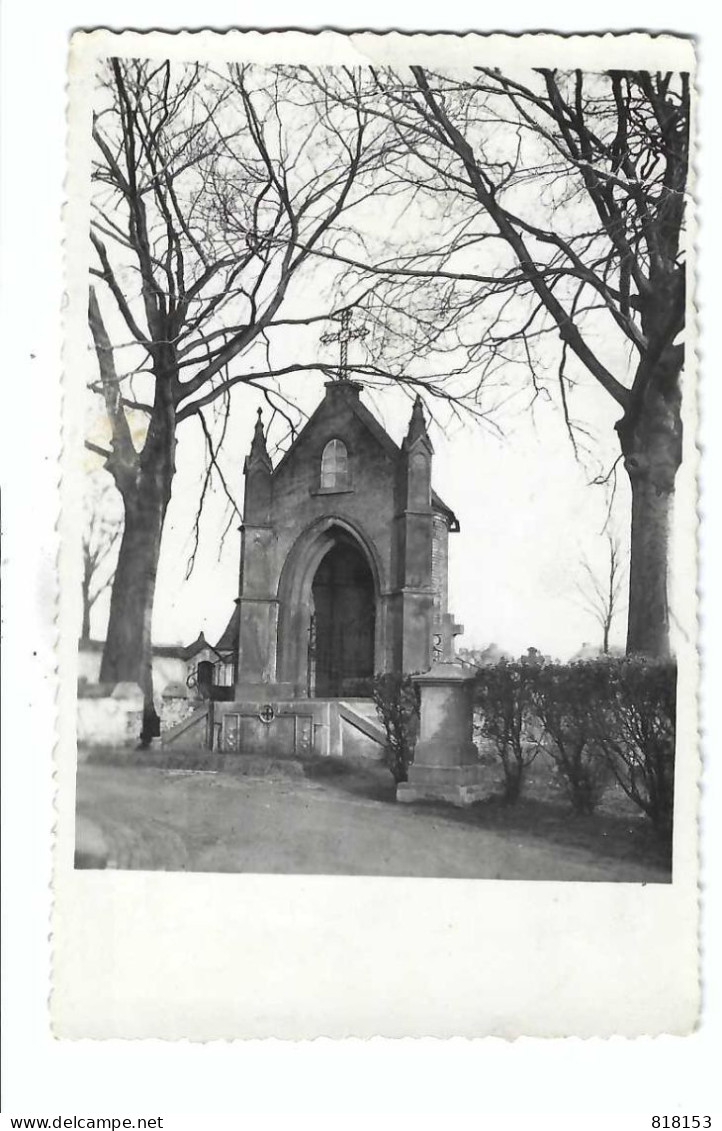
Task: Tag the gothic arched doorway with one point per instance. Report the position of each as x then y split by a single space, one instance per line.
343 621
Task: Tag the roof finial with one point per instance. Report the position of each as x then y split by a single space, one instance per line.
259 451
417 425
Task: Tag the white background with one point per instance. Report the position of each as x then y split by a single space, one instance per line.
667 1075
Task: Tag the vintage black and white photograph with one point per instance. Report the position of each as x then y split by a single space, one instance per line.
377 621
382 407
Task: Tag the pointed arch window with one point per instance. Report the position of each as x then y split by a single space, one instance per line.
334 466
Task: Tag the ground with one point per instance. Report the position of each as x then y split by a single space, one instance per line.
343 820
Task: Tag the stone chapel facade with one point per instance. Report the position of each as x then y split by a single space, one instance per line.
343 575
344 555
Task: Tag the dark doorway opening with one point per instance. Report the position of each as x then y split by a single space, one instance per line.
341 647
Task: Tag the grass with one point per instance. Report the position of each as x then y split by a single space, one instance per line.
237 813
193 760
617 829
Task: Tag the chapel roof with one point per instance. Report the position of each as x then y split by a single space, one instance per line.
228 642
193 649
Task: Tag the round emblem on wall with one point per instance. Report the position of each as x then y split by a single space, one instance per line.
266 713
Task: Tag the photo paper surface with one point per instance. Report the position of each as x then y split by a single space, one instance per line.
378 642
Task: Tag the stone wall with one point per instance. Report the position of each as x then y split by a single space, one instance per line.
166 669
368 500
440 567
113 719
175 708
298 729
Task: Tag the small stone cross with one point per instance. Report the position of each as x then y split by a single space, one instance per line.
343 337
444 649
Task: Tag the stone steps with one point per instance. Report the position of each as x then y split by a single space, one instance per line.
365 707
190 732
345 725
362 714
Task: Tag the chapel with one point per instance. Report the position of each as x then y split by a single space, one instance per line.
344 554
343 575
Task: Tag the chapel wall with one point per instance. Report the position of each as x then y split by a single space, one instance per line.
387 499
298 500
440 566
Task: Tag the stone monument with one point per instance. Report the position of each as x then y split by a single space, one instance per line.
446 762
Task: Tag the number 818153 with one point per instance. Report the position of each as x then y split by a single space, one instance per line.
681 1121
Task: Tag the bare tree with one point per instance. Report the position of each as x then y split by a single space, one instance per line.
553 208
211 192
602 595
100 539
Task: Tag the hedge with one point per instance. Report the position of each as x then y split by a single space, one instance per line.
597 720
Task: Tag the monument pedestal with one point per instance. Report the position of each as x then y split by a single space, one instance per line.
446 761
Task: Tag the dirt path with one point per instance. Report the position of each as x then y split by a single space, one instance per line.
202 822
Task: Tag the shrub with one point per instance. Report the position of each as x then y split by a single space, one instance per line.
397 702
503 694
635 728
566 699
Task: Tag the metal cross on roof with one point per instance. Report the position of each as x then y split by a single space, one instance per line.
343 336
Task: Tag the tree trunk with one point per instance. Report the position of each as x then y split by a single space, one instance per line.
127 655
87 575
648 624
650 435
144 480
